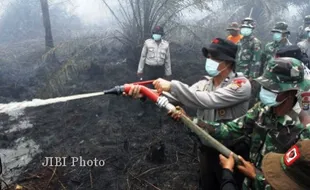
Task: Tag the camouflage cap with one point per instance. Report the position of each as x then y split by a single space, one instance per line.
290 170
281 27
283 74
248 23
233 26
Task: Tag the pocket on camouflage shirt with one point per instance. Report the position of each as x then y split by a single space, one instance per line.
246 55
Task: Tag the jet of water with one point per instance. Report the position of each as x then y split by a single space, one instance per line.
16 109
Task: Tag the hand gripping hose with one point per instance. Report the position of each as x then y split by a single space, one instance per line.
163 102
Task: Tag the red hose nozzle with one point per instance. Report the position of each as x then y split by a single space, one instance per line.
145 91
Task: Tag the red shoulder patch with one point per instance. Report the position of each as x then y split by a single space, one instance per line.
239 81
291 155
305 100
215 41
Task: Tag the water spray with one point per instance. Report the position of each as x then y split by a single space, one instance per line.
160 99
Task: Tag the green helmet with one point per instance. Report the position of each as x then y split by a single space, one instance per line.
248 23
281 27
307 19
284 74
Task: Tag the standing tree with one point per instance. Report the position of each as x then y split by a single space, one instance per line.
49 43
136 18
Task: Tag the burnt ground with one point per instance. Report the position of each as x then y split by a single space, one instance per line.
152 152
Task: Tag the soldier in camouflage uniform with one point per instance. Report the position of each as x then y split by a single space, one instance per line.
287 171
272 124
248 56
302 34
249 51
280 39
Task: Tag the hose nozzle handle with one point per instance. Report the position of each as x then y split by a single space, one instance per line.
117 90
153 96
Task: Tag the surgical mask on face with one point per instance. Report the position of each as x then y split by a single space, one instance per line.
246 31
308 34
211 67
156 37
269 98
277 37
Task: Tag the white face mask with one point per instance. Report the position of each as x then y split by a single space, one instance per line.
269 98
156 37
246 31
277 37
211 67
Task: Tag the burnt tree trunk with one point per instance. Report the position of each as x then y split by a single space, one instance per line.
49 43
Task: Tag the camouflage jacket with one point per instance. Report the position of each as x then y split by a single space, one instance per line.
271 49
248 56
302 35
267 132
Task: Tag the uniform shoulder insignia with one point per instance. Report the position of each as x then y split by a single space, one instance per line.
165 41
237 83
305 100
148 41
205 78
240 80
291 155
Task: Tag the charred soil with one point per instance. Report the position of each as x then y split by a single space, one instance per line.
149 152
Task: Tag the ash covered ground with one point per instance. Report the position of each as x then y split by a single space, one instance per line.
106 127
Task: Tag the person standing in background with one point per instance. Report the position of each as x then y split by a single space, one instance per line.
155 57
234 33
302 34
280 35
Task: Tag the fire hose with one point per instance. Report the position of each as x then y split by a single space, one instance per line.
163 102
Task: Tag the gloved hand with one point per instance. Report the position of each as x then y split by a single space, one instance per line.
176 115
134 91
162 85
